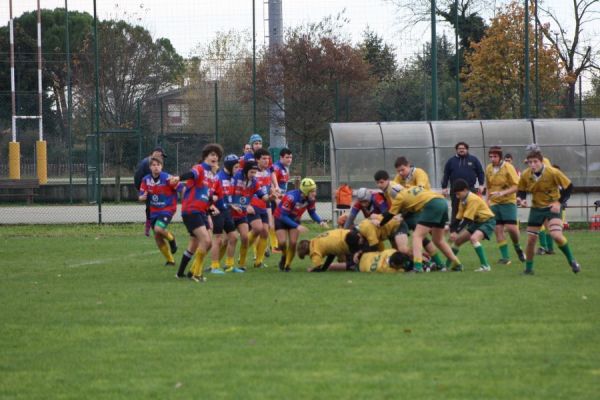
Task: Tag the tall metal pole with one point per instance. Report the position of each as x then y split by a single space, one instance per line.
13 98
526 45
39 62
434 83
69 101
216 112
97 116
253 66
537 69
457 61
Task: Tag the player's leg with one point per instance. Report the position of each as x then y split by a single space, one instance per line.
476 237
290 253
555 230
243 229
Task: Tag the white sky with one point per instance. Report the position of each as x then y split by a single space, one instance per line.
190 22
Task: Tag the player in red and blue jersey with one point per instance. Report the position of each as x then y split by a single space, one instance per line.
369 202
245 188
280 177
287 219
161 197
195 206
222 218
258 214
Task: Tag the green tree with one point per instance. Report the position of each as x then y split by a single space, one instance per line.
494 75
379 55
133 68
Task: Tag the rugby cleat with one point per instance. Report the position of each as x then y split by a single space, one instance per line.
575 267
528 272
217 271
198 278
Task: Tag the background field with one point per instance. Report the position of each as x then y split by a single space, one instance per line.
90 312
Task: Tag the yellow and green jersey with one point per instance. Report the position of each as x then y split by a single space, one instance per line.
417 177
390 192
377 261
474 208
330 243
377 234
412 200
501 178
545 188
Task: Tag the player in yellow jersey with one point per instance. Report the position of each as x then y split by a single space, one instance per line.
375 235
550 189
409 175
323 249
432 215
501 181
546 243
389 189
474 222
386 261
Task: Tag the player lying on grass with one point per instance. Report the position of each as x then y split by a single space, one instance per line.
287 219
161 196
432 215
194 211
324 248
368 202
474 222
550 189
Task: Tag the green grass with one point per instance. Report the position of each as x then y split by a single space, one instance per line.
90 312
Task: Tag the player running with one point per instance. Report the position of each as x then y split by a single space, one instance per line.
161 196
287 219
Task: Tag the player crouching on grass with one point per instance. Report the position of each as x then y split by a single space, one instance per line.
550 190
322 250
287 219
194 210
475 215
162 200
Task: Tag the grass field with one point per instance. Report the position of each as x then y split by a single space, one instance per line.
91 312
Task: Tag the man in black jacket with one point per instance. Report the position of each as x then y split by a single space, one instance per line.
143 169
462 166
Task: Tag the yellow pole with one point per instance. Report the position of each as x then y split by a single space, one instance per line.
14 160
42 161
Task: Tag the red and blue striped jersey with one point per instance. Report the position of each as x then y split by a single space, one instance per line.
293 205
377 205
226 189
282 174
243 193
263 180
196 198
162 195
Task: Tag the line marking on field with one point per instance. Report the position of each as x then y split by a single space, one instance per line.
111 259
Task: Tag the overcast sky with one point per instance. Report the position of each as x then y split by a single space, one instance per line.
190 22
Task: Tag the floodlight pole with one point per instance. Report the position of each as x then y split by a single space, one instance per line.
434 84
97 116
526 45
69 101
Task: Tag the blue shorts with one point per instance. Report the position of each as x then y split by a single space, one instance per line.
263 216
193 221
223 222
